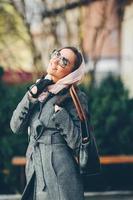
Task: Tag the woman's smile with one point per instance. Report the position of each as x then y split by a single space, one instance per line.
53 66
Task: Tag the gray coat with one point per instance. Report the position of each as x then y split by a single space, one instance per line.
54 139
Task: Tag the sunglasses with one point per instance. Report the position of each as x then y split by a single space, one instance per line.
63 62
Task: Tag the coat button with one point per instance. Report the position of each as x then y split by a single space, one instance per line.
57 125
24 113
53 117
21 118
26 108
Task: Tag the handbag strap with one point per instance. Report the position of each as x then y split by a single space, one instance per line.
80 111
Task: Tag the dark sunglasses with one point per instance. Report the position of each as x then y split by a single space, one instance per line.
63 62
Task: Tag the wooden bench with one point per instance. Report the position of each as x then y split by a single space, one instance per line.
104 160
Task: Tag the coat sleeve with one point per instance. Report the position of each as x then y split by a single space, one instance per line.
21 115
67 119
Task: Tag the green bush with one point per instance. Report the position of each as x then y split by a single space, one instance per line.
10 144
112 114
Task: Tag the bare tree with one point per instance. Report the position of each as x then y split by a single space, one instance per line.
43 20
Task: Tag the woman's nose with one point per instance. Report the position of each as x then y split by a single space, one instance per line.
55 60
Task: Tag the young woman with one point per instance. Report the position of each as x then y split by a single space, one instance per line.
48 113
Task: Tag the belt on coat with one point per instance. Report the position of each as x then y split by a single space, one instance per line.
52 139
55 138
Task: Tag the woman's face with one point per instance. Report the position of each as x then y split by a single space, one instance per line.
61 64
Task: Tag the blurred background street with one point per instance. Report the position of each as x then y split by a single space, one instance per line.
103 31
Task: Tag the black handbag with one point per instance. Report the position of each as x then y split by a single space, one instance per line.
89 162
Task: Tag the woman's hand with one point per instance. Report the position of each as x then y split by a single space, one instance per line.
36 89
33 90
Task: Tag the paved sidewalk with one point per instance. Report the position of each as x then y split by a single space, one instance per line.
114 195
